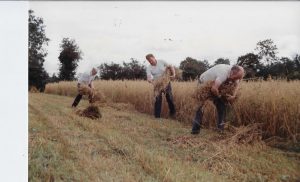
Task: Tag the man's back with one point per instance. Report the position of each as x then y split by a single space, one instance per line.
220 72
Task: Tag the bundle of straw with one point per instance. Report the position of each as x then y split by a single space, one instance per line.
98 97
203 92
85 90
91 111
228 89
161 83
94 95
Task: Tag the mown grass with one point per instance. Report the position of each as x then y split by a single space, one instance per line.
126 145
275 104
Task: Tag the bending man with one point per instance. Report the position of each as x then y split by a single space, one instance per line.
85 82
219 74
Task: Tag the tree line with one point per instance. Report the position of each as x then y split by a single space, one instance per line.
262 62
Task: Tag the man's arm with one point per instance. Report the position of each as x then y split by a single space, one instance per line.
172 70
233 96
170 67
149 75
215 87
91 85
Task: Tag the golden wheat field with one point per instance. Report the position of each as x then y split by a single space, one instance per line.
273 104
125 145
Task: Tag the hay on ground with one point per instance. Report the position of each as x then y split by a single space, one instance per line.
245 134
91 111
33 89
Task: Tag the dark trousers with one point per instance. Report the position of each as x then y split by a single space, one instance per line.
158 102
221 108
78 97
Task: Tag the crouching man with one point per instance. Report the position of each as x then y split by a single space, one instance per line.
218 74
85 86
155 70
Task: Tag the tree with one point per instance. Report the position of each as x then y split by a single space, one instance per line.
69 57
267 51
297 61
191 68
283 68
110 71
37 39
250 63
222 61
53 78
296 73
132 70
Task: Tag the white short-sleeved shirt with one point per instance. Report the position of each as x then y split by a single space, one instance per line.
154 72
220 72
86 78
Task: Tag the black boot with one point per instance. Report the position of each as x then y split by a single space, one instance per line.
77 100
196 128
157 106
197 121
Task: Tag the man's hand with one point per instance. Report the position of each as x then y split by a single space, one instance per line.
150 81
230 97
91 85
172 77
215 88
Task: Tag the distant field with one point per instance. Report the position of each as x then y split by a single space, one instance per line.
275 104
126 145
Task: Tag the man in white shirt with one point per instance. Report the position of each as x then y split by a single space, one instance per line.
154 71
85 79
220 73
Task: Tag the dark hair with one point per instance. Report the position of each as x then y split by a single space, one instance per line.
149 56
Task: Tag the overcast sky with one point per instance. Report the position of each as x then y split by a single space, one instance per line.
118 31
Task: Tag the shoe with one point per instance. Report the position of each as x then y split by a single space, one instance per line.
172 115
195 132
196 128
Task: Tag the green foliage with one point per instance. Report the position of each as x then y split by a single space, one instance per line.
53 78
191 68
69 57
222 61
37 39
132 70
250 63
267 51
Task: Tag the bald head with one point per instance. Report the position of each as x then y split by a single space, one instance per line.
94 71
236 73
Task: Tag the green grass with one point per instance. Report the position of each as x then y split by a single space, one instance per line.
125 145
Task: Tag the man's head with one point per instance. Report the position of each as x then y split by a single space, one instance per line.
151 59
236 73
94 71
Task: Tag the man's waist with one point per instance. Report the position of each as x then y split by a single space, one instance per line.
81 84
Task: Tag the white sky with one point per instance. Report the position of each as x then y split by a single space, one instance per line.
118 31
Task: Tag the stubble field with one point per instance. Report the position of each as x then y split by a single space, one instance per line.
129 144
